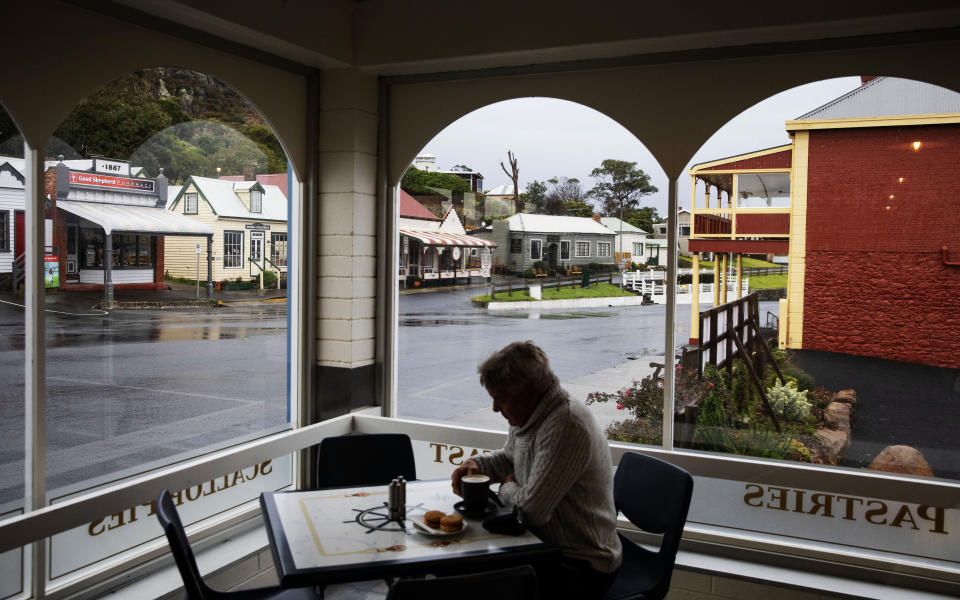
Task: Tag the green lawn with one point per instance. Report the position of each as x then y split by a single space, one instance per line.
597 290
767 282
685 262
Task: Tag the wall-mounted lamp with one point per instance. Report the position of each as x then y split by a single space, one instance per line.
891 196
916 146
901 180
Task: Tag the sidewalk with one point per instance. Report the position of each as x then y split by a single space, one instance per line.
178 293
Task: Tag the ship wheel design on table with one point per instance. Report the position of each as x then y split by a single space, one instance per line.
377 518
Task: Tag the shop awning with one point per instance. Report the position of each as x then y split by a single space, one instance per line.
435 238
135 219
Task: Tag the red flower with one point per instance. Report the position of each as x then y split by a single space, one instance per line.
620 407
710 385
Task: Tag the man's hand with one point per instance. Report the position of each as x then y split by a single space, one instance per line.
467 468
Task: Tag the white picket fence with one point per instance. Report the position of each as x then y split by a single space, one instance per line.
652 285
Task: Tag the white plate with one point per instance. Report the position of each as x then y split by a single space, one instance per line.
427 530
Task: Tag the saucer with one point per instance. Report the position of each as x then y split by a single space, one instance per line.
477 514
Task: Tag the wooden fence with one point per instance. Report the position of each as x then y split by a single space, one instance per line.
732 331
756 271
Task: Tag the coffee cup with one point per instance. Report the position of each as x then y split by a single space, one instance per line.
475 489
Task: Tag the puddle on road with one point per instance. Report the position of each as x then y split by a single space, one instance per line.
552 315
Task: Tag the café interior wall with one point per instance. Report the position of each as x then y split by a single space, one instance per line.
672 108
69 52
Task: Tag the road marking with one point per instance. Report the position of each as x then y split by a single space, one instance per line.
147 389
95 313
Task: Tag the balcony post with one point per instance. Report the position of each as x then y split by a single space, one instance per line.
723 279
695 301
716 279
738 292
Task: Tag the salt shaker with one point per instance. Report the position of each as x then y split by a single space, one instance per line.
393 500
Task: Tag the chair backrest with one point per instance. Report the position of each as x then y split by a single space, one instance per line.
517 583
365 459
170 521
655 496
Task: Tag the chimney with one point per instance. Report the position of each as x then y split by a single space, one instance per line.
596 218
161 190
63 178
864 79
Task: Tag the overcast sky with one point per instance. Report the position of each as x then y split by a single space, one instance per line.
559 138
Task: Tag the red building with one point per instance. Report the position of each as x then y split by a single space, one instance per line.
868 218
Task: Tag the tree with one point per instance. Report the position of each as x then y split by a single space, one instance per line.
425 183
514 175
643 218
620 185
576 208
563 190
535 196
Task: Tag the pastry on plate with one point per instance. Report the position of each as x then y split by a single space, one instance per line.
432 518
451 522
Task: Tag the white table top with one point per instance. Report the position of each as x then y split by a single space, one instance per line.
325 529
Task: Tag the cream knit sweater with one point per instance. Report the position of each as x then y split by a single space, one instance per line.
561 462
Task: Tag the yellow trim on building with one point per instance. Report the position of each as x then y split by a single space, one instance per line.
723 161
798 242
891 121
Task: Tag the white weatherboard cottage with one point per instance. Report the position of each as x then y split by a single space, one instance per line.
525 239
631 241
249 222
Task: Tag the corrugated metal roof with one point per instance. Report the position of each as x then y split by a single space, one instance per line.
886 97
225 202
614 224
501 190
555 224
135 219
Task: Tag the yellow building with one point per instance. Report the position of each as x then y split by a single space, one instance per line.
249 222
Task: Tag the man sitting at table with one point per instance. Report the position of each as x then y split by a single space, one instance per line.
555 465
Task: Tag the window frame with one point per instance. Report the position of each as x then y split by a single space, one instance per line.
187 197
227 232
259 203
516 245
601 244
5 231
540 242
567 242
274 241
576 249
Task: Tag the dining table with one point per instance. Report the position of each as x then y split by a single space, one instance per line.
321 537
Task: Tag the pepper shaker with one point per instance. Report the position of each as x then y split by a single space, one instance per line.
402 484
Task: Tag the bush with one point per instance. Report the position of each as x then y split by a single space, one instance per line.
541 265
269 279
805 381
528 274
788 402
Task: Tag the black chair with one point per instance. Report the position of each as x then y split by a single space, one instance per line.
364 459
517 583
655 496
193 584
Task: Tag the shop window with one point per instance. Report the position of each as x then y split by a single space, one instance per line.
232 249
583 249
124 397
190 203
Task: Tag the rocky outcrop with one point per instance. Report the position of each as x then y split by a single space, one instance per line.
901 459
834 439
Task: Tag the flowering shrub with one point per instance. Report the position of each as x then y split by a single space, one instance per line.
788 402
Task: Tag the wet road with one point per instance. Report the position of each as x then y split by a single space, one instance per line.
130 390
443 338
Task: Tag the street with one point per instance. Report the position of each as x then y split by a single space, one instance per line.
131 390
